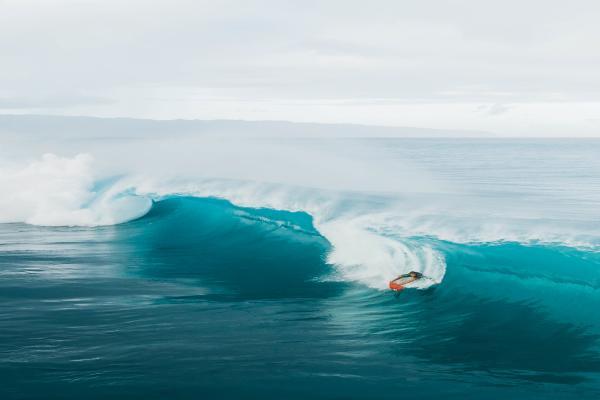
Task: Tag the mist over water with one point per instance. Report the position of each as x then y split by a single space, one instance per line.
263 263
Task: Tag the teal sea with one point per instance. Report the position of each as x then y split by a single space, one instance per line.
211 286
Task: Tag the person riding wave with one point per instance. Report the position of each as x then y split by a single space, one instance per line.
412 276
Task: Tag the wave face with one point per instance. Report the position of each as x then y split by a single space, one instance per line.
241 250
197 278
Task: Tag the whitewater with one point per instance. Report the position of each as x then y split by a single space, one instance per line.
507 232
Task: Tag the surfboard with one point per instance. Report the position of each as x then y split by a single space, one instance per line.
398 285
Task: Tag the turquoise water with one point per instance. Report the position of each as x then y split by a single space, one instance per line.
203 298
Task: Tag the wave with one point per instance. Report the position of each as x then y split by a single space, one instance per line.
237 252
355 253
67 194
374 236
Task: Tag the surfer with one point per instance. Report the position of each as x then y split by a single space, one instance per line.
404 279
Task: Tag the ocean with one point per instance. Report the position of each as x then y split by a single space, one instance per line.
185 268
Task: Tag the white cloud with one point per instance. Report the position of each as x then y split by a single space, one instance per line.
281 60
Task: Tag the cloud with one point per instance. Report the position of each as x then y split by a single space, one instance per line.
451 52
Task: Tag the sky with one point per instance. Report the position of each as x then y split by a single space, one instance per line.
514 68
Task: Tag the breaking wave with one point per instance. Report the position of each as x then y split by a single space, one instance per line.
373 236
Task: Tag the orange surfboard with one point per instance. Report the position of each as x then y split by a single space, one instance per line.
396 286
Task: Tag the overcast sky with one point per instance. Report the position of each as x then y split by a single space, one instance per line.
510 67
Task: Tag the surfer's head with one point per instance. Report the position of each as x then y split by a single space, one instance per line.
416 275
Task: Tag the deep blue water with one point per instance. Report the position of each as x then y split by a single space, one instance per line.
202 299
